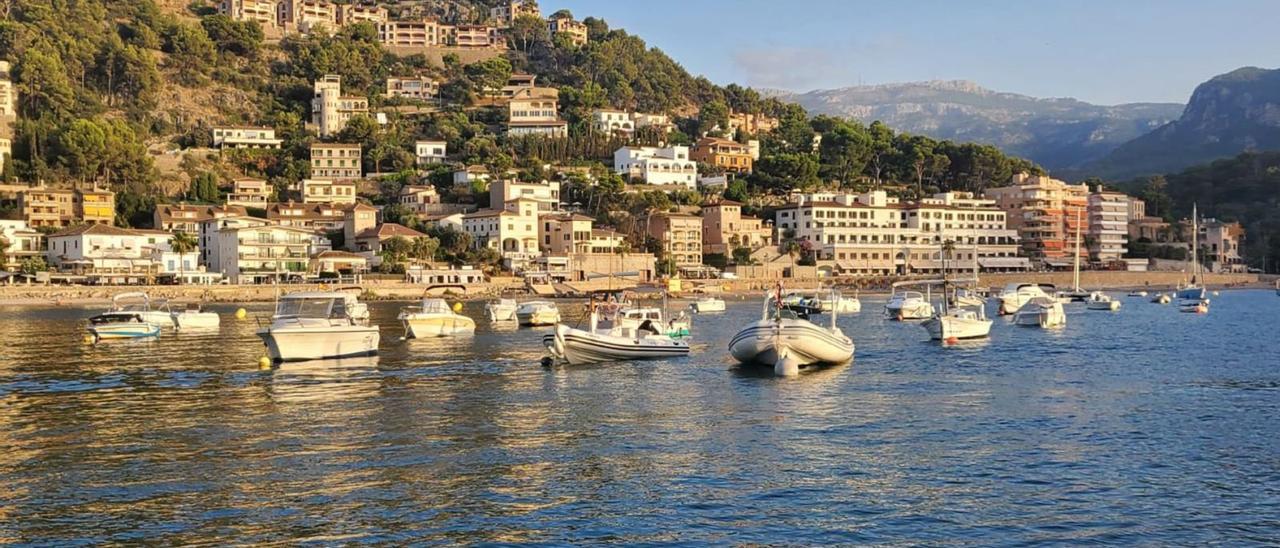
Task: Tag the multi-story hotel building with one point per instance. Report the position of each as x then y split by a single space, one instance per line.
474 36
874 234
335 161
1108 226
657 166
723 153
46 207
725 228
1046 213
330 109
351 14
258 253
680 235
416 34
245 137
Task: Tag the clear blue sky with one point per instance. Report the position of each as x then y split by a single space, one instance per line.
1101 51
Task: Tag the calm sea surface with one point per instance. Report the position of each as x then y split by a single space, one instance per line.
1144 426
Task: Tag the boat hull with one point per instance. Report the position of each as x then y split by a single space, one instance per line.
577 347
539 318
1103 305
944 328
319 343
197 320
500 313
714 305
765 341
131 330
424 326
1042 317
1190 294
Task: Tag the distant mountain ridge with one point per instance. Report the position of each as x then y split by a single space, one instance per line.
1054 132
1231 113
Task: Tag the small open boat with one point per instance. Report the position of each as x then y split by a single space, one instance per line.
1101 301
434 318
1043 312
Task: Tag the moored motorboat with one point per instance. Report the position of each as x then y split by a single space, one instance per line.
1138 293
1042 312
839 303
707 304
784 341
1194 306
609 339
434 318
1017 294
121 325
316 326
538 313
1161 298
958 324
193 317
501 310
803 305
1101 301
151 311
908 305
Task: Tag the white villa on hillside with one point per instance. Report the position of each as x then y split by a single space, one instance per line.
657 166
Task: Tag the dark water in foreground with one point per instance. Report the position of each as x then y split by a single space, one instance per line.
1144 425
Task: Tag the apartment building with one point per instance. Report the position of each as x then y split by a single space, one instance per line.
315 217
1046 213
563 25
681 237
754 124
534 111
657 166
351 14
1143 228
327 191
511 230
420 199
188 217
430 152
416 34
1108 226
418 87
336 161
507 12
18 242
874 234
728 155
564 234
1220 245
475 36
263 253
725 228
254 193
245 137
612 122
264 12
106 253
545 193
307 16
369 241
46 207
330 109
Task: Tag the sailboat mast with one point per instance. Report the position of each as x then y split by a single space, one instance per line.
1195 244
1076 275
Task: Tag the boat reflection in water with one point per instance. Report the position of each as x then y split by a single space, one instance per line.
340 379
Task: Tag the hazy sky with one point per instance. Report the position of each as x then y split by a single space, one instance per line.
1101 51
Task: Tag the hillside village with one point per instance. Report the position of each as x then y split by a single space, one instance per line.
450 140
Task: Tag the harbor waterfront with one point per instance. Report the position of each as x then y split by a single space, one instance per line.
1142 425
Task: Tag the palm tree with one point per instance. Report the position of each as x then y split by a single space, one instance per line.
182 243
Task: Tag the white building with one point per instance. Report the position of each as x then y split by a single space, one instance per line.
625 123
245 137
330 109
254 254
1108 226
545 193
105 253
874 234
336 161
419 87
249 193
534 111
657 166
430 152
23 242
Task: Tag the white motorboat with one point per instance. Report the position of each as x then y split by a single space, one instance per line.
645 318
317 326
611 339
193 317
535 313
501 310
909 305
1101 301
151 311
1017 294
1138 293
707 304
958 324
967 298
1161 298
1194 306
121 325
1041 312
434 318
784 341
839 303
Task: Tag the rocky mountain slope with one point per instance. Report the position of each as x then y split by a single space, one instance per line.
1056 133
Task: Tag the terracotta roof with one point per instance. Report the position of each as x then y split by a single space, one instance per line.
95 229
202 212
487 213
309 211
388 230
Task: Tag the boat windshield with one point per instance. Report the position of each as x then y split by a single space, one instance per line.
309 308
435 306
